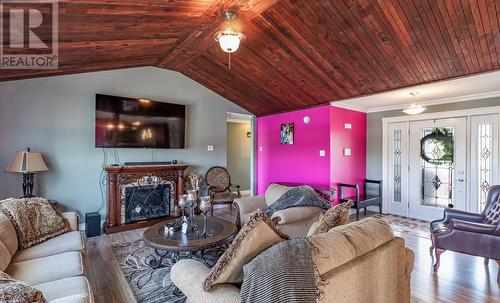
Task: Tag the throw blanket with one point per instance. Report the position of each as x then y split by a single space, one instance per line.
300 196
284 273
34 219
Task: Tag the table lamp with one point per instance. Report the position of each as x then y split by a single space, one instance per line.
27 163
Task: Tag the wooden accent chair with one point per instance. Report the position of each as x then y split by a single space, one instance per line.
469 233
220 188
365 200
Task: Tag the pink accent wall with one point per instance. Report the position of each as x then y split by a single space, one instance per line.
301 162
347 169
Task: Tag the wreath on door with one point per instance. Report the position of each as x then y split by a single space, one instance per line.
437 147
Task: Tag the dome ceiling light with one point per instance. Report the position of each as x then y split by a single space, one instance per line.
414 109
229 38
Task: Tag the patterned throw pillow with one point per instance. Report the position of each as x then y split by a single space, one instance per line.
34 219
257 235
493 216
335 216
14 291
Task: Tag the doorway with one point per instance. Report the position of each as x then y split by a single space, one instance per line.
437 167
240 151
437 163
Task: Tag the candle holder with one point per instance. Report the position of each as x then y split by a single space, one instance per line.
205 206
191 199
183 221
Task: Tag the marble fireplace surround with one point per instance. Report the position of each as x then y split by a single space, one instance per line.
121 177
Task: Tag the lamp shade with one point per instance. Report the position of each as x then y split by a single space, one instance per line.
26 162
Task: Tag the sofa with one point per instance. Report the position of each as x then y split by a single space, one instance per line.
295 222
55 267
360 262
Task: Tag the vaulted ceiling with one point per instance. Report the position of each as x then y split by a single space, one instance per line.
297 54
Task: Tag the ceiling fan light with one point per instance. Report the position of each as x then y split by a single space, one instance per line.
229 40
414 109
229 43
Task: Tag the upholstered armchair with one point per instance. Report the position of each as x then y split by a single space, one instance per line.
219 186
469 233
295 222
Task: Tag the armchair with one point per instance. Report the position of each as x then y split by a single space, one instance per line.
220 188
295 222
469 233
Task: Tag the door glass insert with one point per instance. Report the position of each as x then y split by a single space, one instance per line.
436 151
397 165
485 162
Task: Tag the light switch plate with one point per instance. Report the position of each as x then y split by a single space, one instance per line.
347 125
347 151
322 153
260 148
211 148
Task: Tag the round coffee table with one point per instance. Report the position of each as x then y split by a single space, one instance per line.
170 246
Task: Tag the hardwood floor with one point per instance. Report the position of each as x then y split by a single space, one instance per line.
461 278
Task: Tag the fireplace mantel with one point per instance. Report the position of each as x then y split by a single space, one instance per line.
119 176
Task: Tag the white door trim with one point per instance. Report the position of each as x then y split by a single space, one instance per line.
429 116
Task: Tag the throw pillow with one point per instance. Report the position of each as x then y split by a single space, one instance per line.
257 235
5 257
34 219
335 216
14 291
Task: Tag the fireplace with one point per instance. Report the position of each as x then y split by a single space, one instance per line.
140 196
144 202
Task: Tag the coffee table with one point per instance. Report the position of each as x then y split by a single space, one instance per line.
181 246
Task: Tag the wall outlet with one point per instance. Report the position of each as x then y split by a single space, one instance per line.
347 151
211 148
322 153
347 125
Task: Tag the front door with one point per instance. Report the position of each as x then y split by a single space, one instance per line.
437 167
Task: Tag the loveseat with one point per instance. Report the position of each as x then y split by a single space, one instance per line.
295 222
360 262
54 267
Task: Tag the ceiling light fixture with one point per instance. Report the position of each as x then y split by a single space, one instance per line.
229 38
414 109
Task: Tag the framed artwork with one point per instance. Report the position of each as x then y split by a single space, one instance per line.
286 133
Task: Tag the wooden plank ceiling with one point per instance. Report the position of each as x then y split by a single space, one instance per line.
297 54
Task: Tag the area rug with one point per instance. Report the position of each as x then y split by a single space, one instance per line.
155 286
418 228
149 285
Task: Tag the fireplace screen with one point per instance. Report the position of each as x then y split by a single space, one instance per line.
144 202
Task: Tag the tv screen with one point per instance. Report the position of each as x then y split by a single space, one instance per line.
140 123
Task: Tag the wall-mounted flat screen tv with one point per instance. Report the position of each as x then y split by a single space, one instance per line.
139 123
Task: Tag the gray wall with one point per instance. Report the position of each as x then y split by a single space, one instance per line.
238 153
374 130
55 116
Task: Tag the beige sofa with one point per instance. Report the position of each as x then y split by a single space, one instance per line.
55 267
360 262
294 222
